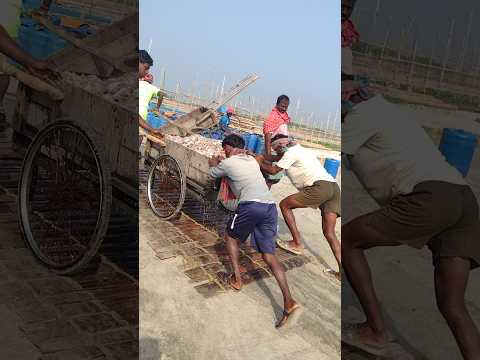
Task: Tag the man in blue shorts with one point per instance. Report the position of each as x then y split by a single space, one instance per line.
256 216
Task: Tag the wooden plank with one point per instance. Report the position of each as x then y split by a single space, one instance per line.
119 39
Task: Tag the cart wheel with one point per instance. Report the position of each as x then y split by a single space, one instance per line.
65 196
166 187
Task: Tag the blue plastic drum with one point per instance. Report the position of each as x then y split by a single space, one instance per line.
245 137
332 165
252 142
458 147
260 148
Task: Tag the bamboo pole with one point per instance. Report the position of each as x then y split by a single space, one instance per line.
223 84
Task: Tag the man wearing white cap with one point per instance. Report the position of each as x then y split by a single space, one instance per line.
317 189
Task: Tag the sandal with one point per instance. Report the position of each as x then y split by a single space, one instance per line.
290 317
231 282
286 246
334 273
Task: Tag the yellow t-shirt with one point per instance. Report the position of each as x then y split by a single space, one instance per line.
10 17
146 92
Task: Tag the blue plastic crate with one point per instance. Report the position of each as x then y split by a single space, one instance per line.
31 4
77 14
39 42
66 11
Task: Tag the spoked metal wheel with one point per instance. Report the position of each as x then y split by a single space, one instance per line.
65 196
166 187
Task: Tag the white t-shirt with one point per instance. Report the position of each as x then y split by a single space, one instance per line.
391 153
302 167
282 129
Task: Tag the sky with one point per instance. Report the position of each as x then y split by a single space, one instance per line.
292 45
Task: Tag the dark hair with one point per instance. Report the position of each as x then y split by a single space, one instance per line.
145 58
234 141
281 98
279 136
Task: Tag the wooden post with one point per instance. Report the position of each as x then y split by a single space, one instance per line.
412 65
326 129
465 43
382 53
478 68
447 53
430 63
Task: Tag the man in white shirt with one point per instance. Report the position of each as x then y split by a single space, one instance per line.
317 189
424 202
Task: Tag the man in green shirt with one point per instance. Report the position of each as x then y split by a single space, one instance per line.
146 91
37 68
11 12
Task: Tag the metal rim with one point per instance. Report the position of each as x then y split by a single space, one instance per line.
170 190
73 234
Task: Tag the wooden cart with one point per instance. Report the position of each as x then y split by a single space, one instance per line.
175 170
81 150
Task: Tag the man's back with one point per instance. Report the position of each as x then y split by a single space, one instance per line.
245 178
391 152
303 167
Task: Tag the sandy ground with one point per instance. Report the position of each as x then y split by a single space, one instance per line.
179 323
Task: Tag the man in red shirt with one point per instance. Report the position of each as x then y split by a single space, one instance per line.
350 36
274 124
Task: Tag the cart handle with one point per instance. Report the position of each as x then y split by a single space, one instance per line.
31 81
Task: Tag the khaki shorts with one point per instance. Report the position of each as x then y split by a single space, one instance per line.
441 215
324 195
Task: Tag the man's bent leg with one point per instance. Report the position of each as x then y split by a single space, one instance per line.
356 237
329 220
451 279
279 274
287 206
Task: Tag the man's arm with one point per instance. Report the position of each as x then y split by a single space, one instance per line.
216 169
266 166
273 158
147 126
269 169
159 100
10 48
268 145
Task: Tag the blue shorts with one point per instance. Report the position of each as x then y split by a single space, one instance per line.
258 220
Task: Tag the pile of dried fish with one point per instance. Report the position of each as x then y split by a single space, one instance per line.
122 89
200 144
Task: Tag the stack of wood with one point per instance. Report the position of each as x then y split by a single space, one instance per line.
191 123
